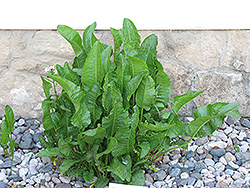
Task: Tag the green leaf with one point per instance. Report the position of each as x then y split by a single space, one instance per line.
66 164
126 135
49 152
89 38
145 147
130 33
93 71
115 120
181 100
79 60
147 52
9 116
158 127
122 169
208 118
60 71
163 88
105 56
65 148
156 139
111 95
138 66
131 86
91 101
175 130
117 41
47 120
82 117
88 175
46 87
101 182
138 178
72 37
111 146
71 75
91 135
74 92
4 138
146 94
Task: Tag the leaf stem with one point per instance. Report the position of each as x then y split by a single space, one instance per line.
152 160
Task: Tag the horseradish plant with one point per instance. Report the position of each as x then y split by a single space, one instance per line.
108 121
6 141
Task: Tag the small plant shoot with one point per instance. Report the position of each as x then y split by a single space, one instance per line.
109 120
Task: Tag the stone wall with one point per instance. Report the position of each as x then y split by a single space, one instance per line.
217 62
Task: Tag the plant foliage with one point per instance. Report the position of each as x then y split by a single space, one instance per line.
109 120
7 127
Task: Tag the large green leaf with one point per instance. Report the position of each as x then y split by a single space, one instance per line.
130 33
123 72
147 52
88 175
72 37
117 41
74 92
9 116
49 152
90 100
66 164
93 71
175 130
111 146
208 118
144 144
122 169
131 86
137 66
181 100
65 148
47 120
89 38
71 75
46 87
91 135
163 88
138 177
115 120
4 137
111 96
82 117
146 94
105 56
126 135
101 182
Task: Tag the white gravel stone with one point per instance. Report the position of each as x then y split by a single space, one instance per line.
220 135
243 170
65 179
236 175
25 159
55 180
209 162
184 175
37 180
223 160
229 157
219 166
21 122
2 176
219 144
199 183
23 172
228 130
233 165
241 135
199 150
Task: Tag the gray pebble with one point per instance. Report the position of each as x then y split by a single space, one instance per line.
160 175
242 156
3 185
244 122
175 172
218 152
46 168
27 141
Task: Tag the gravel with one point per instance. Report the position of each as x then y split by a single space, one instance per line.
218 160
